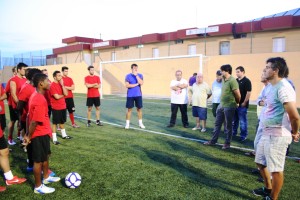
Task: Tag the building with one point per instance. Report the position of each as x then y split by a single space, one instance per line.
247 44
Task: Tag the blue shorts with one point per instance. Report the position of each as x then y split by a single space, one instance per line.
200 112
138 101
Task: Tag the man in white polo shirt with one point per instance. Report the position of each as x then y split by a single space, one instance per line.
179 99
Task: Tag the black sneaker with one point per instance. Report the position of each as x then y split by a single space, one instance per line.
56 142
67 137
88 125
262 192
99 124
170 125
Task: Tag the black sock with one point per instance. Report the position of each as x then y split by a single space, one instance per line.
98 121
89 121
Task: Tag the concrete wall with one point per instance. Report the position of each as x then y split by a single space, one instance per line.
159 73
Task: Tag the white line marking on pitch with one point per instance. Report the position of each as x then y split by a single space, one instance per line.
180 137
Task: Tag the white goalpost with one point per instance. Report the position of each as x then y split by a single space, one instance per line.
120 62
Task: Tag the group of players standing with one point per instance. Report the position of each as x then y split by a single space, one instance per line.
31 102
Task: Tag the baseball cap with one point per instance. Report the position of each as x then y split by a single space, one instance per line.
219 73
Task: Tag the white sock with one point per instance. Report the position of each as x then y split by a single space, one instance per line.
54 137
140 121
37 188
127 122
8 175
63 133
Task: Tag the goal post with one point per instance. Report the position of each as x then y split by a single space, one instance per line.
157 72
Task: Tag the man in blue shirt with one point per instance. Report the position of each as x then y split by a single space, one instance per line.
134 81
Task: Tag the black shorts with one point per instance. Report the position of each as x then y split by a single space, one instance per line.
3 121
90 101
40 148
3 143
13 114
70 105
138 101
59 116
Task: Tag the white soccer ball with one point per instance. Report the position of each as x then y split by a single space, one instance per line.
73 180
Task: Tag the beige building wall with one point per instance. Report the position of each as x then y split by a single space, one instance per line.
75 57
159 73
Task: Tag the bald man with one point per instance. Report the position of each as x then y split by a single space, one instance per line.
200 93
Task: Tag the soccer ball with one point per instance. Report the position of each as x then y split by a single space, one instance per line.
73 180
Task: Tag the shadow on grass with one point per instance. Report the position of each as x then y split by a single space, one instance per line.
221 162
195 174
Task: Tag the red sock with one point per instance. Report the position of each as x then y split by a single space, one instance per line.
72 118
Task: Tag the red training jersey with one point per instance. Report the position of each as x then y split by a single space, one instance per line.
19 82
92 92
57 104
26 91
38 112
68 82
2 110
7 90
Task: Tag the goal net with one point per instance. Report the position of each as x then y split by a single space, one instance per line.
157 73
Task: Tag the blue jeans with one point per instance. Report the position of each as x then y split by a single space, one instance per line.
240 118
223 115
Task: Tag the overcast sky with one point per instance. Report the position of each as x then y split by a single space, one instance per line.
27 25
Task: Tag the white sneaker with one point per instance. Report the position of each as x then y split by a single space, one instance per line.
51 179
127 126
196 128
142 126
11 142
44 190
203 130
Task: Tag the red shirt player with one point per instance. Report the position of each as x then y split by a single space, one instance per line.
93 84
69 85
39 135
15 85
23 107
58 104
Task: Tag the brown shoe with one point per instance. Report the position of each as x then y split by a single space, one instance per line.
226 146
209 143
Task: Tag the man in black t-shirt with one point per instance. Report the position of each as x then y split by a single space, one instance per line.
240 117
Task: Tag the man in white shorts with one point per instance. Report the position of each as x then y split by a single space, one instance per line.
280 123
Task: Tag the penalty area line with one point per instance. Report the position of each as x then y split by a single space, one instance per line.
176 136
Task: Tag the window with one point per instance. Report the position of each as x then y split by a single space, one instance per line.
126 47
113 56
192 50
179 41
155 52
278 44
224 48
